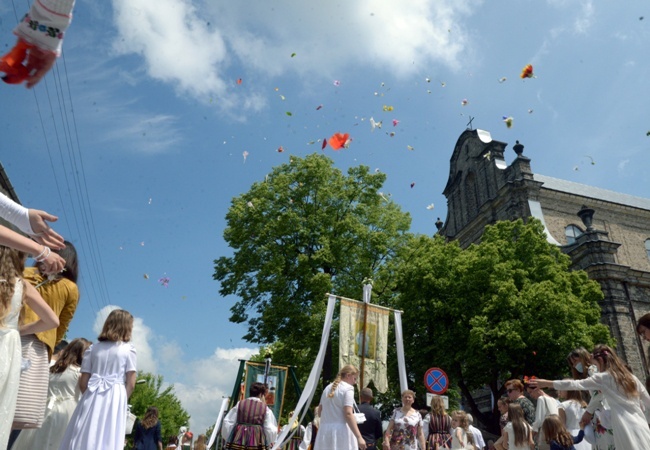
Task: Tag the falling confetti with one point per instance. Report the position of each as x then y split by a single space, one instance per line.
428 80
280 149
593 163
289 113
412 185
245 155
443 84
527 72
282 97
502 79
239 81
293 54
164 281
391 134
150 200
647 133
464 102
410 147
250 205
324 144
430 206
339 140
146 276
530 111
142 244
387 108
319 107
336 83
395 122
508 121
374 124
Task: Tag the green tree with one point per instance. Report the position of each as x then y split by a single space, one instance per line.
507 307
306 230
151 392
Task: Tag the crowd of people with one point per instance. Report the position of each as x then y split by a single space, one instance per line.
602 407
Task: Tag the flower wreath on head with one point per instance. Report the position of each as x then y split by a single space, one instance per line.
528 380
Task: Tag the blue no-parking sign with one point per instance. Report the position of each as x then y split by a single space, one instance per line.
436 381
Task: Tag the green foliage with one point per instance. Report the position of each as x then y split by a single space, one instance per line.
504 308
152 393
306 230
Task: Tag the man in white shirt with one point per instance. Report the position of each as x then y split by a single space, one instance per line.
478 436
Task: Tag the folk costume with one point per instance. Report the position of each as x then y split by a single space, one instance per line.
250 425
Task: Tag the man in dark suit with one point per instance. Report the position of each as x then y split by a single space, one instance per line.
371 429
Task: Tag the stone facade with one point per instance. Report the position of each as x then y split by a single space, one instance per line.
608 239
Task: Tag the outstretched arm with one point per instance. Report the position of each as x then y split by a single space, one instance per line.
52 262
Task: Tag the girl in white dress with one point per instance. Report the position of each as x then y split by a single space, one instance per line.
13 291
63 396
461 437
338 428
108 373
624 393
517 433
573 407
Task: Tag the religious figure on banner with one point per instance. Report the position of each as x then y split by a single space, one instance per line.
370 344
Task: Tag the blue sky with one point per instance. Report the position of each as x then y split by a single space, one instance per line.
146 114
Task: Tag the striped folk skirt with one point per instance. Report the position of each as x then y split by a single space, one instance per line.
32 392
247 437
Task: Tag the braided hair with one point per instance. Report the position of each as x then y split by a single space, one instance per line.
346 370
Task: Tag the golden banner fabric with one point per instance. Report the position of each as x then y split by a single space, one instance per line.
375 344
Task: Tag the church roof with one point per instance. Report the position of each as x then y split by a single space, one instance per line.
583 190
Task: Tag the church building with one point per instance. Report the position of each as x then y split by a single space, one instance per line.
605 233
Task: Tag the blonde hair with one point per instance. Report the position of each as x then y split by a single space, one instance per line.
11 269
346 370
461 417
118 326
463 422
438 406
554 430
408 392
613 364
200 443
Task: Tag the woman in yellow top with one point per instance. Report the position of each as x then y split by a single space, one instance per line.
60 292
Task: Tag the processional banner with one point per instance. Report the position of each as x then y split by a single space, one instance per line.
374 346
277 382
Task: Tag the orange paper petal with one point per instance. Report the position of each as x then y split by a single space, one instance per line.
338 140
527 72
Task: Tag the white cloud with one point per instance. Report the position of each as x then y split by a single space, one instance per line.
585 18
622 165
207 381
199 384
192 45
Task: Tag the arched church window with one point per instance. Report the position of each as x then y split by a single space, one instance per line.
572 232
